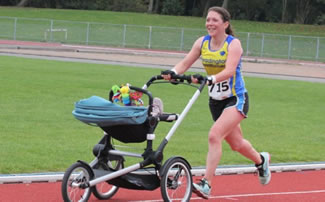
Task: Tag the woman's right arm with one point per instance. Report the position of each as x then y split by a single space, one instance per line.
190 58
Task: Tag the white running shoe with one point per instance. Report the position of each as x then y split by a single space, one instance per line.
202 189
264 173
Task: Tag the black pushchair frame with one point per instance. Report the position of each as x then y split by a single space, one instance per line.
108 166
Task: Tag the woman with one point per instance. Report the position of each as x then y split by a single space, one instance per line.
221 57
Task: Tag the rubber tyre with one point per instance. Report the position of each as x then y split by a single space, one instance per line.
176 181
77 173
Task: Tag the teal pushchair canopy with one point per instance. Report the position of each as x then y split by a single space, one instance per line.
103 113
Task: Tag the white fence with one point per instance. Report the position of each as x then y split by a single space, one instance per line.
153 37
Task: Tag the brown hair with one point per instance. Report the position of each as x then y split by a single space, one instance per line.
225 17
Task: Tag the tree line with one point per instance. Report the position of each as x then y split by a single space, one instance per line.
284 11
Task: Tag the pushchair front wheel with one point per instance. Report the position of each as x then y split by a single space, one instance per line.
73 180
176 181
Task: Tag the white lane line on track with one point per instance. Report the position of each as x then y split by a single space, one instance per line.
267 194
133 51
234 197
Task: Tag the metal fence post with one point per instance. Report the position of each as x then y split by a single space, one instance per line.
87 33
124 35
182 40
247 45
262 47
15 28
51 28
317 49
150 32
289 47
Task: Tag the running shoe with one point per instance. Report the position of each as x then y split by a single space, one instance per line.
202 188
264 173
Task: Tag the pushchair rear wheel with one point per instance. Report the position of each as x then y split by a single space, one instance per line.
176 180
104 190
73 182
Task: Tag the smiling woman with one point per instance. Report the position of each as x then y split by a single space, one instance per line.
221 55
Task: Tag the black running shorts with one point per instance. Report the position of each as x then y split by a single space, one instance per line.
240 102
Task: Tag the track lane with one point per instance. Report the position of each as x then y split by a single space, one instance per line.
285 186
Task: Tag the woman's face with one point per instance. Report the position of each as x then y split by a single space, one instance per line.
214 24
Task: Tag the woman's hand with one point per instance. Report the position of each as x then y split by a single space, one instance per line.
167 74
197 78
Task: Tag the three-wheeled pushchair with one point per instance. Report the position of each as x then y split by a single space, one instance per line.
106 173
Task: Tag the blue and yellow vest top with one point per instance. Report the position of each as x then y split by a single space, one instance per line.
214 62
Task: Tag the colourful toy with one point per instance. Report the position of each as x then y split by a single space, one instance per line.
116 89
116 93
125 95
135 97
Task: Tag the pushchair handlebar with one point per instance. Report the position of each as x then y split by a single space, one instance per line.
176 79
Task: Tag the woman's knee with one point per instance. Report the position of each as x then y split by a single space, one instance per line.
214 138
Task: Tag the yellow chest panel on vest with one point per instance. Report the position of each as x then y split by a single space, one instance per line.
213 61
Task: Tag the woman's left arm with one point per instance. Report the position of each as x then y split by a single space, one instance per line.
234 53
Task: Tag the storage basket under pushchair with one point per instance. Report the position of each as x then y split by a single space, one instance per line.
124 123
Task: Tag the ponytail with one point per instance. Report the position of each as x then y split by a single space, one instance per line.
229 30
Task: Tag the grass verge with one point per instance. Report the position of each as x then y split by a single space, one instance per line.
38 132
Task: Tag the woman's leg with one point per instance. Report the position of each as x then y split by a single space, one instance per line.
238 143
229 119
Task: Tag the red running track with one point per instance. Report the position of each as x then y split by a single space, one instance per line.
303 186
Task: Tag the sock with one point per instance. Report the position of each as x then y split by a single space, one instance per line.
257 165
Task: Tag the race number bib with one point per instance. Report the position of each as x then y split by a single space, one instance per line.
220 91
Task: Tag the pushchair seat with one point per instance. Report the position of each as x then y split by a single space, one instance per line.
128 133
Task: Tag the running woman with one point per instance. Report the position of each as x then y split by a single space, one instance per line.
221 53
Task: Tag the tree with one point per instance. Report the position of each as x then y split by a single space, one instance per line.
173 7
150 7
320 19
253 8
303 8
210 3
225 4
284 16
206 8
22 3
157 6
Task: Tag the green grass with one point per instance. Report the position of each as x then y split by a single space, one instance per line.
159 20
39 133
